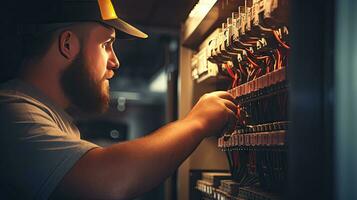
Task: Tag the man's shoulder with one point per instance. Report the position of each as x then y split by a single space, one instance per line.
14 96
19 101
23 102
16 107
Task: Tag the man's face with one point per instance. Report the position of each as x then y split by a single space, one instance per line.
86 81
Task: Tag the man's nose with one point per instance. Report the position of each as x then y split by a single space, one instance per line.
113 62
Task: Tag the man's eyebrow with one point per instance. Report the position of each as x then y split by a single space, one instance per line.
111 39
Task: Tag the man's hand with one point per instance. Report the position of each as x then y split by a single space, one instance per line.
214 113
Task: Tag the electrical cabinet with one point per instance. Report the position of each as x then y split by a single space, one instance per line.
245 47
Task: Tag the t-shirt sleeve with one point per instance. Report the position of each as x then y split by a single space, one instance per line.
37 153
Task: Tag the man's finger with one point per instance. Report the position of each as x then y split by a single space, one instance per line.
230 105
224 95
231 123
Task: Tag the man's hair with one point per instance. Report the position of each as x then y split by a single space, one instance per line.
18 45
35 46
37 39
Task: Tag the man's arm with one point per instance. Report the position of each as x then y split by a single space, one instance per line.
128 169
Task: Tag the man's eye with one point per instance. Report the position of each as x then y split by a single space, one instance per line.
106 44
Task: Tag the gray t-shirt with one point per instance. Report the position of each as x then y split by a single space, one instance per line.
39 143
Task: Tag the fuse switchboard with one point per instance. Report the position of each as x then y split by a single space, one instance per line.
249 50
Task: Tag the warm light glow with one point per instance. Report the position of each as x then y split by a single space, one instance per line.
201 8
159 84
107 10
197 14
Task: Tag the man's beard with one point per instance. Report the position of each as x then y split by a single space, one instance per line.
83 91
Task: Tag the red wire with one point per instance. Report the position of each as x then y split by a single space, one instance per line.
252 62
259 73
233 75
241 69
280 41
235 80
266 61
269 65
230 72
252 42
278 58
262 57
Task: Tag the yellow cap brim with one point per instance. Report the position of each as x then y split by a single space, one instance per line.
123 27
110 18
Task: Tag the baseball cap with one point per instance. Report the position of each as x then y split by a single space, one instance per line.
67 11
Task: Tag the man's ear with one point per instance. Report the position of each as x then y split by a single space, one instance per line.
68 44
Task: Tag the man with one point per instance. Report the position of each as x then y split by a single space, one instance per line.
69 64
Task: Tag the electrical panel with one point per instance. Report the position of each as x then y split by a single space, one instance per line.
246 46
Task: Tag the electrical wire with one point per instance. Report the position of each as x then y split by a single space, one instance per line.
275 33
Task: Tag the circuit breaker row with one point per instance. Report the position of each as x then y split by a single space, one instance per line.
275 138
259 84
222 187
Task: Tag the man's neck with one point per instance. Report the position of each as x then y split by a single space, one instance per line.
48 85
